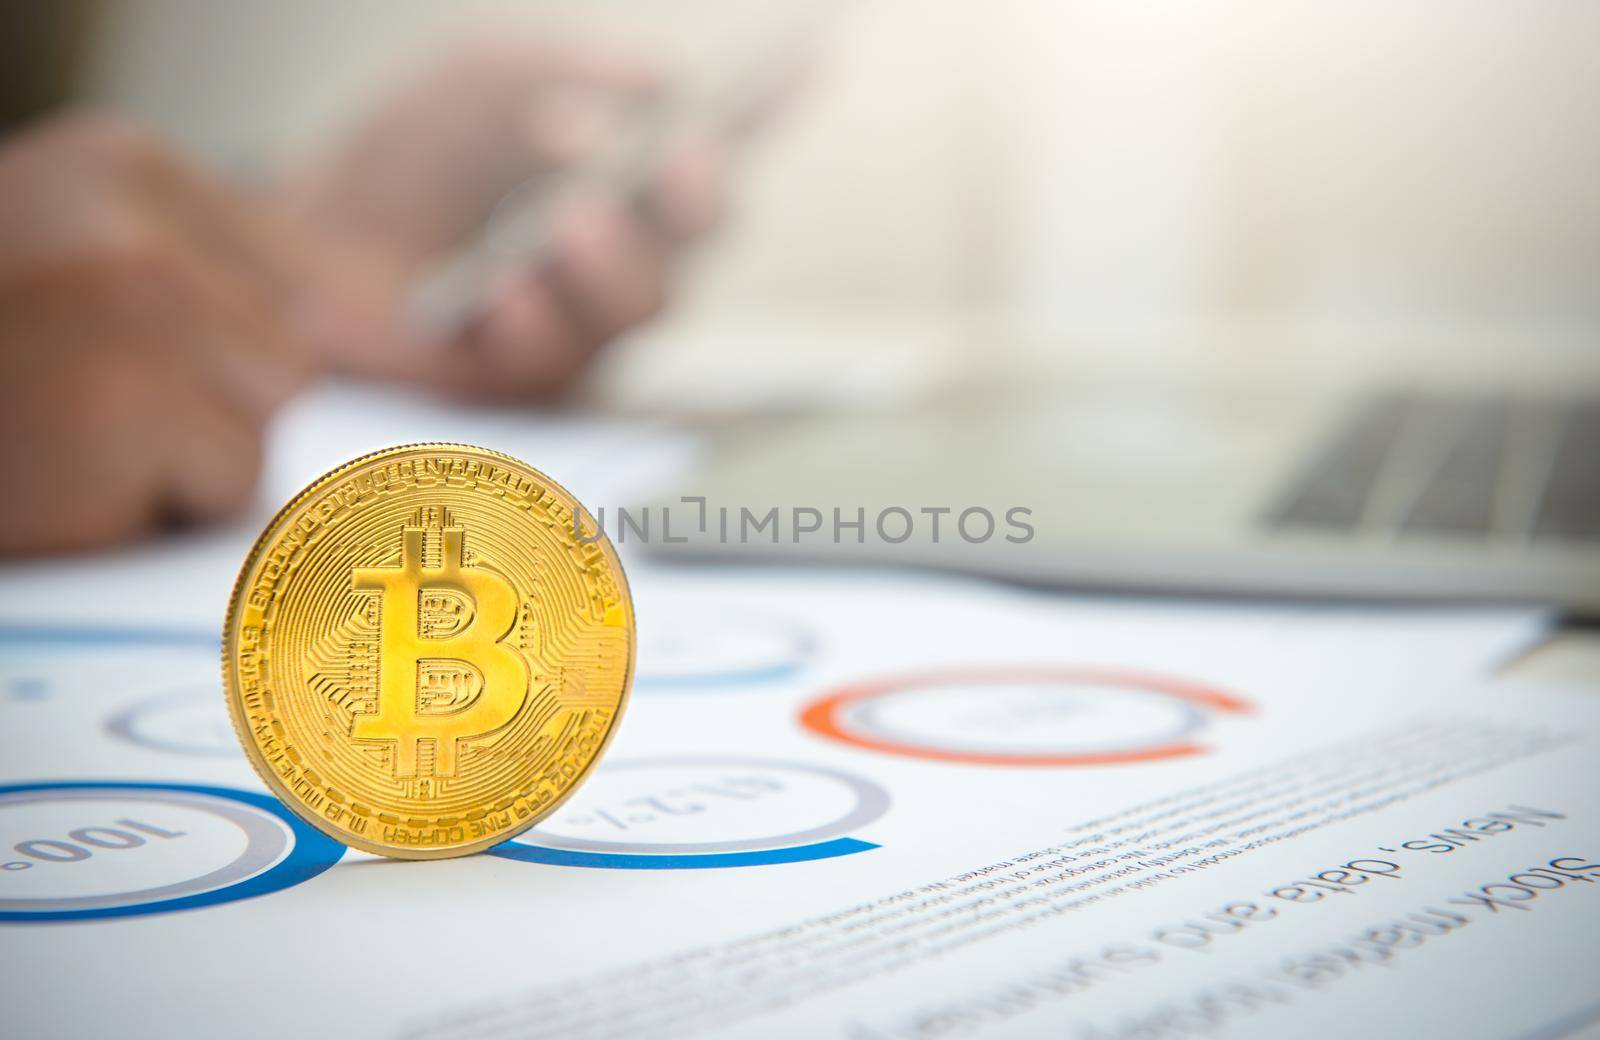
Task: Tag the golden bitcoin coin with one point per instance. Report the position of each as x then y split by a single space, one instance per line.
424 656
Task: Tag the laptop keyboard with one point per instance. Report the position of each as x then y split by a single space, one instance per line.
1412 464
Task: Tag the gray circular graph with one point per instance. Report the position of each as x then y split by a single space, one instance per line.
183 722
678 808
74 850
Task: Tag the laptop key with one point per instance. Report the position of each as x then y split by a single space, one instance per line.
1458 497
1570 507
1331 494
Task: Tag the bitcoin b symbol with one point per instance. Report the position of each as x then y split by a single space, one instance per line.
448 681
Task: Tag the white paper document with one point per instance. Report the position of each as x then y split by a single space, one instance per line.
844 805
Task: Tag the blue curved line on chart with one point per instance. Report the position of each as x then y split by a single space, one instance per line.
684 861
312 853
69 635
13 634
803 647
719 680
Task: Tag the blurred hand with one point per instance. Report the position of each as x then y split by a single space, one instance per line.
153 318
426 166
143 337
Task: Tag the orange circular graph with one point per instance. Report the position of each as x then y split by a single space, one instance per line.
846 714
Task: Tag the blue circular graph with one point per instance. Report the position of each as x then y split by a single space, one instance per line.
72 851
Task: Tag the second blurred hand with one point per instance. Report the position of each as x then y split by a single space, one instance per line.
519 236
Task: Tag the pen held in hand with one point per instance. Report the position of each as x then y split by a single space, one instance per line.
519 237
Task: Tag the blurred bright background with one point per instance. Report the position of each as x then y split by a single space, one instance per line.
1075 198
1248 181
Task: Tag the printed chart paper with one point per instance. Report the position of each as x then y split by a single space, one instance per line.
844 805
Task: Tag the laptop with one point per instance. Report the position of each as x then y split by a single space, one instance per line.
1376 492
